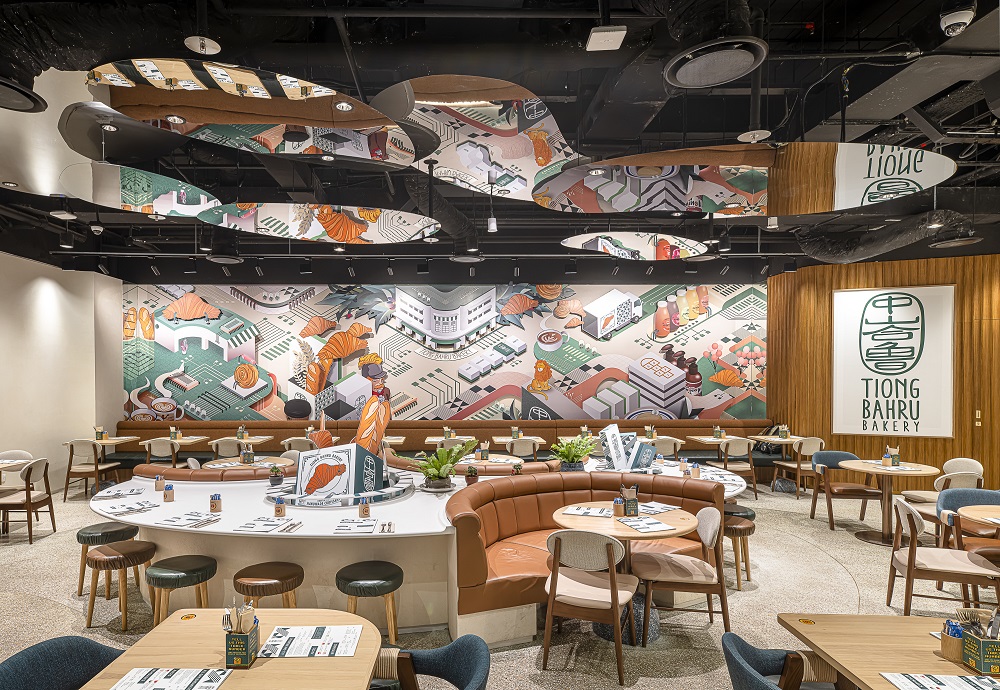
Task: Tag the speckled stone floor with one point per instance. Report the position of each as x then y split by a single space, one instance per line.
798 565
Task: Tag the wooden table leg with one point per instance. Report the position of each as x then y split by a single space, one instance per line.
887 508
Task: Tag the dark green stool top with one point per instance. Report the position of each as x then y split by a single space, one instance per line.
733 510
369 578
105 533
181 571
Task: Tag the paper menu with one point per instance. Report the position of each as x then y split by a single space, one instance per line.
920 681
584 511
356 526
172 679
123 508
645 524
655 508
308 640
118 493
185 520
262 525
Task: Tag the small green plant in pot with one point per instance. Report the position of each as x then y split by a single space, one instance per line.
573 453
276 476
439 467
471 474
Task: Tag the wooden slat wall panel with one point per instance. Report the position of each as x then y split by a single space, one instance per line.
800 356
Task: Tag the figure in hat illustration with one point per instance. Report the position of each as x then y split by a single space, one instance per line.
377 412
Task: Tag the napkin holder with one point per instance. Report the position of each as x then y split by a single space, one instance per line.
175 434
716 432
242 648
159 482
515 432
650 432
783 431
631 499
981 654
99 433
484 451
893 455
240 434
246 457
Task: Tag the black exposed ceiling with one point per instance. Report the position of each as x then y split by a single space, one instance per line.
908 85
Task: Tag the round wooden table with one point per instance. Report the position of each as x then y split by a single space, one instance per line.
262 461
982 514
885 475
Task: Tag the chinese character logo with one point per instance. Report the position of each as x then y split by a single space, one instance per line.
891 335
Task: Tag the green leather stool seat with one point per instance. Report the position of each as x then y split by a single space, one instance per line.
181 571
369 579
105 533
733 510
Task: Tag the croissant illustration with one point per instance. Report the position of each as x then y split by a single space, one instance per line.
317 326
340 227
323 475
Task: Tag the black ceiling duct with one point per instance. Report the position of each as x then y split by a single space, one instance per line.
225 247
453 222
833 249
717 45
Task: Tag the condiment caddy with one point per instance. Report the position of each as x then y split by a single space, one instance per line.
242 635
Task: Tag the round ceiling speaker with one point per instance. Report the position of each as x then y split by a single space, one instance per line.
715 62
466 259
754 135
14 96
203 45
225 249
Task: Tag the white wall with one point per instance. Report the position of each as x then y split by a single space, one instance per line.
60 351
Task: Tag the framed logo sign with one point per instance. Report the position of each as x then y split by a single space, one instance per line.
892 361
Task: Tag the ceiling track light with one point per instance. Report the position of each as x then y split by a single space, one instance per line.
791 266
763 269
517 269
472 243
200 42
339 247
350 268
96 227
615 268
175 119
306 267
154 269
725 244
472 271
194 267
690 268
102 265
260 271
725 270
571 268
388 268
649 270
423 268
205 239
66 239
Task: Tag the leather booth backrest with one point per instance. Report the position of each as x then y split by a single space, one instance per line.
228 474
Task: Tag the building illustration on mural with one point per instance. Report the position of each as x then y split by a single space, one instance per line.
515 351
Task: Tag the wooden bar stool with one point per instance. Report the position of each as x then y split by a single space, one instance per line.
372 579
174 573
120 556
98 535
268 579
738 530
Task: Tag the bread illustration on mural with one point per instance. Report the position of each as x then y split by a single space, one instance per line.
190 307
317 325
146 324
246 375
128 324
323 475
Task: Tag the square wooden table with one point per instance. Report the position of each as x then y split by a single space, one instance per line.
862 647
783 443
193 638
712 441
394 440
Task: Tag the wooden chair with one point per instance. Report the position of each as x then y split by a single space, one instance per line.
824 462
801 463
447 443
227 448
751 668
29 500
91 468
680 573
521 447
13 458
965 471
929 509
667 446
464 664
162 448
917 562
584 585
738 447
299 443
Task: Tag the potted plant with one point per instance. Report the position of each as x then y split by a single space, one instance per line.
276 476
471 475
573 453
516 469
440 466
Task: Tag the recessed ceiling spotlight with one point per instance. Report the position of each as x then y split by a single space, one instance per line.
96 227
339 247
260 271
328 158
306 267
597 171
8 183
175 119
156 216
466 258
892 220
690 268
203 45
447 178
503 192
344 106
949 239
430 239
108 127
193 268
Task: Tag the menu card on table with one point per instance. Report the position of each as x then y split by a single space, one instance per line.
262 525
356 526
584 511
920 681
308 640
125 508
644 524
172 679
117 493
655 508
186 520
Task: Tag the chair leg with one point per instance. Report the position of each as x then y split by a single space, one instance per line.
66 486
135 574
812 510
390 616
975 595
204 594
52 514
83 570
153 594
891 585
292 598
93 593
630 621
966 602
107 585
123 596
27 515
163 605
645 612
617 629
753 478
724 599
736 558
745 551
352 604
197 597
829 508
711 613
908 595
547 638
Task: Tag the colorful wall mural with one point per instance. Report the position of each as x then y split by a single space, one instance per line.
515 351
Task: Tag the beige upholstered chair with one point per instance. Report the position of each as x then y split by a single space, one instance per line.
801 463
523 446
666 446
292 455
299 443
162 448
193 464
85 463
28 500
584 585
679 573
738 448
915 562
451 442
957 473
227 448
13 457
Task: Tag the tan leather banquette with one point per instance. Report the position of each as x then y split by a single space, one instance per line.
415 431
501 527
227 474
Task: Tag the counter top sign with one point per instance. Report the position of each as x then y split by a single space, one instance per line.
339 471
892 354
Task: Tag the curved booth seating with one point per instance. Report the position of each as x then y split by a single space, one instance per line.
501 528
228 474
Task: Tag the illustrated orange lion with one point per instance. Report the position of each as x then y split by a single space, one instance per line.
543 372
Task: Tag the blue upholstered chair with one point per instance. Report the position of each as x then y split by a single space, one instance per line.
760 669
823 463
62 663
971 536
465 663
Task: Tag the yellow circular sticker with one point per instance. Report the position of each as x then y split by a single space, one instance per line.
807 621
189 616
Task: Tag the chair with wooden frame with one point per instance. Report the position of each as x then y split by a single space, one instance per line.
979 538
668 445
584 585
299 443
227 448
751 668
825 461
13 458
162 448
449 443
521 447
465 664
929 509
801 463
962 473
933 563
680 573
93 468
738 448
29 500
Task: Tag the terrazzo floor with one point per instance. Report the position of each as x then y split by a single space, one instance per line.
798 565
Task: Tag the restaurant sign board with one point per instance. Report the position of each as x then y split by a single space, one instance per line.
892 361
